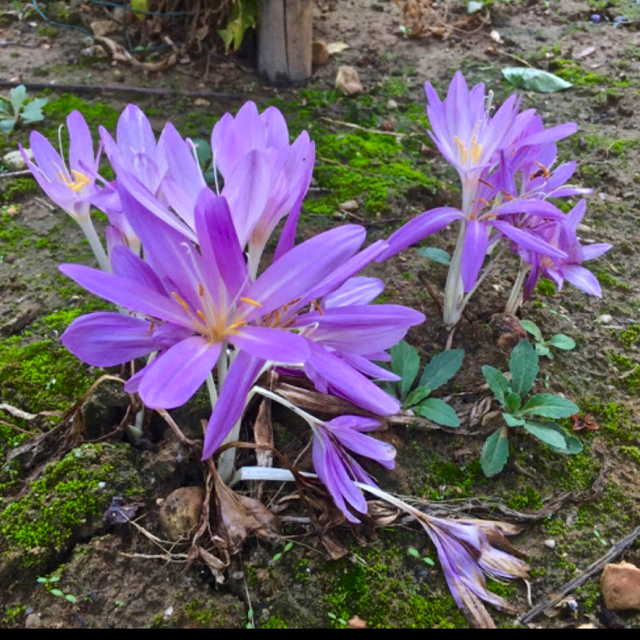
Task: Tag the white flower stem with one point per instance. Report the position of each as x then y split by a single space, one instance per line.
95 244
515 297
454 290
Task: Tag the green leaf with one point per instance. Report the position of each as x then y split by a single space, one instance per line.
243 16
5 109
542 351
288 546
524 368
42 580
513 401
276 557
203 152
32 113
437 255
138 6
416 396
473 6
497 383
439 412
535 79
495 453
531 327
512 421
71 598
442 368
18 97
549 406
6 126
56 592
405 363
572 444
545 434
54 579
429 561
560 341
412 551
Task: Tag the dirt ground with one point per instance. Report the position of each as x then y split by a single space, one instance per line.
55 489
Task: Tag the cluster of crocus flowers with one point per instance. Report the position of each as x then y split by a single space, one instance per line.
505 163
186 267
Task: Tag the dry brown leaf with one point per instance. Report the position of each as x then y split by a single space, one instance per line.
336 47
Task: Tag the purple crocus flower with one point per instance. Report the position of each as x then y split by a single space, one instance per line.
563 235
337 468
70 186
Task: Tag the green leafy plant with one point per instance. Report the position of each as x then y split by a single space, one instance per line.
243 16
405 363
18 109
535 80
533 415
412 551
437 255
543 347
339 621
48 582
277 556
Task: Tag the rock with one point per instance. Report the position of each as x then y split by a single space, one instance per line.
620 585
357 623
103 28
180 512
550 543
349 205
14 161
348 81
319 53
32 621
605 318
392 104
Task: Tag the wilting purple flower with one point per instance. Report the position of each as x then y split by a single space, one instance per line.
68 186
466 553
337 468
563 235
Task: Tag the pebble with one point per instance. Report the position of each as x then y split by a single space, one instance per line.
348 81
550 543
180 512
32 621
392 104
605 318
14 161
620 586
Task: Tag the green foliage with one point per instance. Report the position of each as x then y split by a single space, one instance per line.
405 363
18 109
437 255
534 79
523 366
543 347
54 591
243 16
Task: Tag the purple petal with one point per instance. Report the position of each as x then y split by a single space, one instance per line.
583 279
364 365
80 142
475 249
172 378
528 240
106 339
359 290
276 345
230 405
424 225
126 264
591 251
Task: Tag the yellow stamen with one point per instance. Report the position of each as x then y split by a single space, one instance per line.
201 316
276 313
250 301
293 302
507 196
151 327
476 149
201 289
316 306
486 184
80 181
181 302
235 325
462 148
484 202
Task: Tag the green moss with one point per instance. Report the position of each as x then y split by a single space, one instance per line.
528 499
95 113
632 452
41 376
16 188
546 287
69 493
609 281
12 616
274 622
626 365
158 621
630 337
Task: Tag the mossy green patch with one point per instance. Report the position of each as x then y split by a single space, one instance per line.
630 337
627 366
13 616
631 452
546 287
70 493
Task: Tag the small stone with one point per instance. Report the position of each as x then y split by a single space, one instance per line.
32 621
14 161
168 612
319 53
392 104
349 205
605 318
550 543
357 623
620 585
180 512
201 102
348 81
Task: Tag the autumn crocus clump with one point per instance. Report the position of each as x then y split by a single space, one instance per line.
506 166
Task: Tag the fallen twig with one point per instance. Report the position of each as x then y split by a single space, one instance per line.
16 174
351 125
574 583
